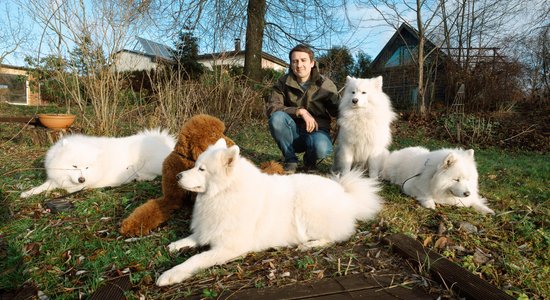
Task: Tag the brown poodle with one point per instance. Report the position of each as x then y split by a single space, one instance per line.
194 137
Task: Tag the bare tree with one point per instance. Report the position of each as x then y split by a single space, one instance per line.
254 39
13 33
97 30
269 25
533 52
426 16
464 29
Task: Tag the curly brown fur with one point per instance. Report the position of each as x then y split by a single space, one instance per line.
194 137
272 167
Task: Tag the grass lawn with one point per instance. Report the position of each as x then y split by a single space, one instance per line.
68 255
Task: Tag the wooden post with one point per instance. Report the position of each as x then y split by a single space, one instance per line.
452 275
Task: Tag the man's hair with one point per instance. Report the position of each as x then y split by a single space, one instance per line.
301 48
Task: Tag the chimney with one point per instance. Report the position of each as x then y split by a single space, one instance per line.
237 45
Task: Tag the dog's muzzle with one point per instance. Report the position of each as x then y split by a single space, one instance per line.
81 179
354 100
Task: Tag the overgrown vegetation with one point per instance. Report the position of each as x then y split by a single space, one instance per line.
70 254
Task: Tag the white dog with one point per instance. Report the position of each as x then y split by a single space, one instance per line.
364 135
78 162
239 209
446 176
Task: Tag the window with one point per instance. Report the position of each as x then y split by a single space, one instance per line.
13 88
402 56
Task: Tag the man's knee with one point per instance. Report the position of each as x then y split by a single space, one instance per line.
323 147
279 120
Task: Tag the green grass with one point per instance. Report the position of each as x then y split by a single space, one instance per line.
68 255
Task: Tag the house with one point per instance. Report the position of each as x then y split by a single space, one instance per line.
144 55
236 58
396 62
15 86
147 55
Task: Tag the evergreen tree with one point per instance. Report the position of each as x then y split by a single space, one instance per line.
362 67
186 55
337 63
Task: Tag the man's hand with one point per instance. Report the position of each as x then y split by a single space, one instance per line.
311 124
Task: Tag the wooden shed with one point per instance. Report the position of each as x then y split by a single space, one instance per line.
397 63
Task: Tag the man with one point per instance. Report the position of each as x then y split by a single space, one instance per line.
300 109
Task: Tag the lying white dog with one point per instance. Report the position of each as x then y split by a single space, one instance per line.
364 119
239 209
78 162
446 176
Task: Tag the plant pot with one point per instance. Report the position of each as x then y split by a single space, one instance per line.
56 121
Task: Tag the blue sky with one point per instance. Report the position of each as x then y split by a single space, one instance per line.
370 38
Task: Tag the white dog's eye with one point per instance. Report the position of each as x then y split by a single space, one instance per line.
75 167
363 93
353 92
457 179
201 169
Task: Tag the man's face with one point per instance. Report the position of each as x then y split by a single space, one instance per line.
301 65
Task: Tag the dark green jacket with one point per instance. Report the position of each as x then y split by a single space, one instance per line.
321 98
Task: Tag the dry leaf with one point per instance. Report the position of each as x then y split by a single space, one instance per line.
480 257
427 241
441 242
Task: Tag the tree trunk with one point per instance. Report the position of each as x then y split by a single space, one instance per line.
254 39
421 42
421 93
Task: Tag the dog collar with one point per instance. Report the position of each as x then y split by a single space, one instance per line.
420 173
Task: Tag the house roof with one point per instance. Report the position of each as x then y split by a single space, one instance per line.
401 31
151 48
14 67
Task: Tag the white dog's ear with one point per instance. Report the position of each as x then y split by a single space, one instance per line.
220 144
378 81
449 161
470 152
231 155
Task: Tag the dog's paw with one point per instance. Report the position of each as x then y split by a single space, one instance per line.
177 245
313 244
26 194
483 209
428 204
172 276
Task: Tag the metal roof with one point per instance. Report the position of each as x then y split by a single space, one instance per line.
153 48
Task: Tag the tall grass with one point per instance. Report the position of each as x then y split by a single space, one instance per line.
217 94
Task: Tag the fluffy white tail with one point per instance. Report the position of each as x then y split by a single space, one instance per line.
364 192
162 134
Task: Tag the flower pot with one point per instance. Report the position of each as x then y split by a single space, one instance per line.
56 121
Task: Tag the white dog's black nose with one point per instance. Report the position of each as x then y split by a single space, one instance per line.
466 194
81 179
354 100
178 176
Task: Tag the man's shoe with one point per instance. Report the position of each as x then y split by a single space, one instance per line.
290 168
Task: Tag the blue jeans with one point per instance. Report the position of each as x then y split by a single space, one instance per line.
291 140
